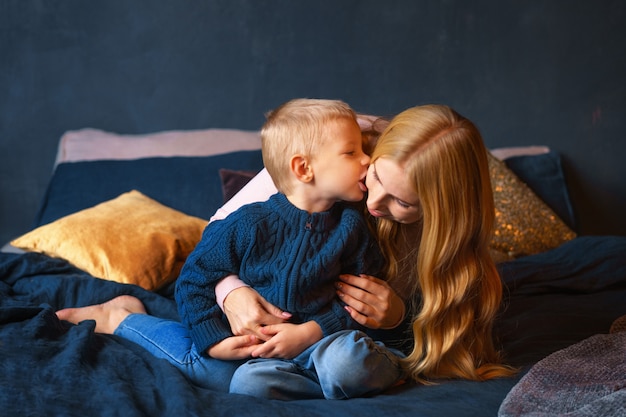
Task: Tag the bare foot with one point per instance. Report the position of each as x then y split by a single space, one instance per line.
107 315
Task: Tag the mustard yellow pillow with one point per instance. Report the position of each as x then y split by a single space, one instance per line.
131 239
525 225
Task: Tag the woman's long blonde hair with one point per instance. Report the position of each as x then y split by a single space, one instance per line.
443 260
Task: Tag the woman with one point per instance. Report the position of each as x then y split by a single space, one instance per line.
430 205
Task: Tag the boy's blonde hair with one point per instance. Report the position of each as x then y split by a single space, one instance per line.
297 127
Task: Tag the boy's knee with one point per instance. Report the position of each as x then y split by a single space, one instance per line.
249 380
353 365
279 380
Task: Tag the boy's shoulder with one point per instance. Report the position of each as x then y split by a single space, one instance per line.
256 207
244 215
347 209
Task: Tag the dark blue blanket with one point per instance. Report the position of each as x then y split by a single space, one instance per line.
52 368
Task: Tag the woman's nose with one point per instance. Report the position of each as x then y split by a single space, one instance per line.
374 197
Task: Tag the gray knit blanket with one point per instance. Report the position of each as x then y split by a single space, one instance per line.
585 379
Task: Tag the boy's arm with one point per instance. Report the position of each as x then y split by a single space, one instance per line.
211 260
259 188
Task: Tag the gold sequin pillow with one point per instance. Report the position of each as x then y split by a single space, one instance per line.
131 239
525 225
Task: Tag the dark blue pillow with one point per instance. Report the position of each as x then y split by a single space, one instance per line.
543 173
193 184
188 184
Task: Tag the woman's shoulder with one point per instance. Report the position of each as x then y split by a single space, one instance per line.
259 188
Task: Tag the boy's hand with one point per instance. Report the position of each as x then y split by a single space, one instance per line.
287 340
234 347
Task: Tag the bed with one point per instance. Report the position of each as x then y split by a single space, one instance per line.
122 212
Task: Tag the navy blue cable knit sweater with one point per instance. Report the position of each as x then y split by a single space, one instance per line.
289 256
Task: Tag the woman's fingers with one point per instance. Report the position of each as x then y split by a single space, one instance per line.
248 312
279 316
371 301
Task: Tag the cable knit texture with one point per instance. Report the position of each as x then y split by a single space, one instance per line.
585 379
291 257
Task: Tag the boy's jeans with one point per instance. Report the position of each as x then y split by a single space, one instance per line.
346 364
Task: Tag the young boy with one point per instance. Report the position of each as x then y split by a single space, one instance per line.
291 249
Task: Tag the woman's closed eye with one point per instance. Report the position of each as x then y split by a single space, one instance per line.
375 174
402 203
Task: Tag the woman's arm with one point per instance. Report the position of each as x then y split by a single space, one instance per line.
247 312
370 301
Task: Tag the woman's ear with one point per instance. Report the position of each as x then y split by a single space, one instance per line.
301 168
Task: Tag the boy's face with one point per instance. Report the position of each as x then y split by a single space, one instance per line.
341 165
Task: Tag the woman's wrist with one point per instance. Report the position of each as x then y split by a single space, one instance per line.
401 317
225 287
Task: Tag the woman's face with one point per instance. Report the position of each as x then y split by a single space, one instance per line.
389 195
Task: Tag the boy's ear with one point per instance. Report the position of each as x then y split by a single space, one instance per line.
301 168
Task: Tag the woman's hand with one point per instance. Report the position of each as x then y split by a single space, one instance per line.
248 312
370 301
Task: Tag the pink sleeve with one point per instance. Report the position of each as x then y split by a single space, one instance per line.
260 188
225 286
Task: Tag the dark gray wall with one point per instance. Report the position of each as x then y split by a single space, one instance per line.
527 72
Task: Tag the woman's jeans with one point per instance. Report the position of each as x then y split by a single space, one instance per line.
346 364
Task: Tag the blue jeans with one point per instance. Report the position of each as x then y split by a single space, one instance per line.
346 364
170 340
